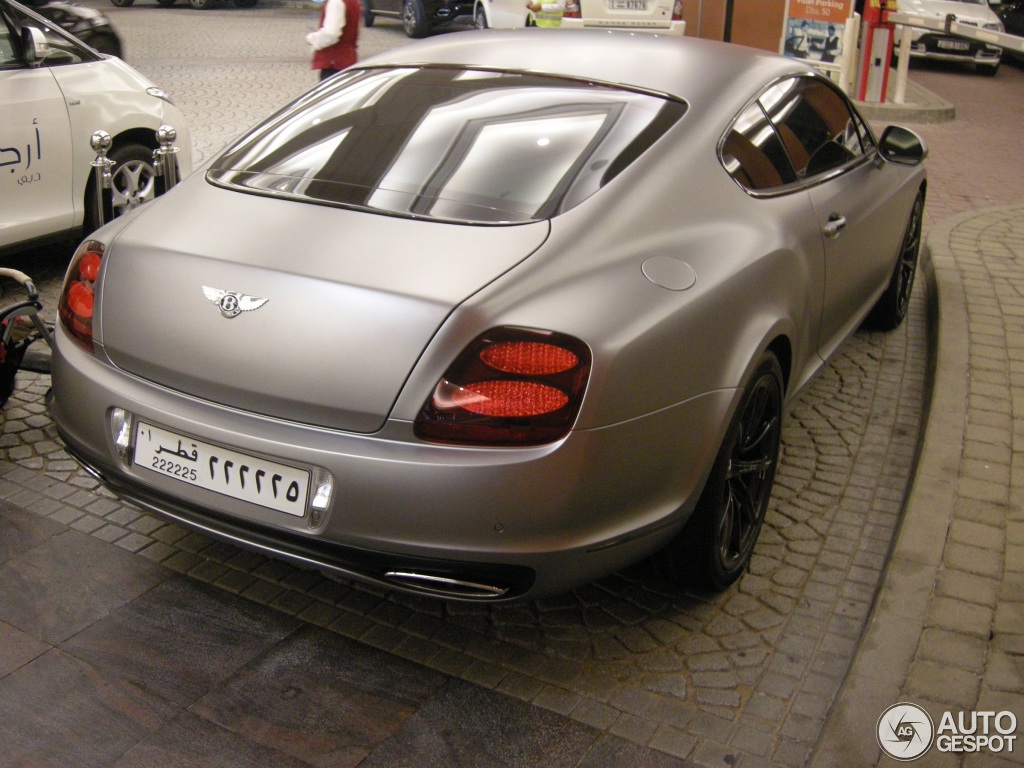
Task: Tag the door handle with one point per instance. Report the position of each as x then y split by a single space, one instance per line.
835 225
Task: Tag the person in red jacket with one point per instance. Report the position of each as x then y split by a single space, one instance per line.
334 42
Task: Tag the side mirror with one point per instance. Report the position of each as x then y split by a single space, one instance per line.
903 146
34 44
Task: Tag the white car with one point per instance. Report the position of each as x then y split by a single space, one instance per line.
660 16
55 92
927 44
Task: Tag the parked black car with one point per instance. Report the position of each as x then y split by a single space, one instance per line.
419 17
87 24
1012 14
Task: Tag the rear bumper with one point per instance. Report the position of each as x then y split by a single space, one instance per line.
518 522
434 576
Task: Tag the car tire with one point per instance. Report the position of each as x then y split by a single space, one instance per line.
891 307
105 42
368 16
480 18
201 5
715 546
134 182
414 19
989 70
122 3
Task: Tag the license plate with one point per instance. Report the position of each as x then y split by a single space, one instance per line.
258 481
953 45
627 5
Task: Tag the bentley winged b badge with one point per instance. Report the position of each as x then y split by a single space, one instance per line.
232 304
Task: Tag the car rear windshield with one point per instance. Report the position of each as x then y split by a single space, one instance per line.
451 144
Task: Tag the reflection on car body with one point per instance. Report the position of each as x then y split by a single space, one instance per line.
523 327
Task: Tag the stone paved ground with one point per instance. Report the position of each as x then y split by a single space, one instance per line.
747 676
752 672
949 632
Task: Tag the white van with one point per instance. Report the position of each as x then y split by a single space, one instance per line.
661 16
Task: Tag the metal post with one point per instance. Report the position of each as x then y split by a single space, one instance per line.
166 164
100 143
903 65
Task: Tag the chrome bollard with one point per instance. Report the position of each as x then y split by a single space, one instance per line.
100 142
164 160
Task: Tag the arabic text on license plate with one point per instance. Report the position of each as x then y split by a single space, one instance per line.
954 45
627 5
267 483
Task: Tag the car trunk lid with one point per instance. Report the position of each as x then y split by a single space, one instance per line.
294 311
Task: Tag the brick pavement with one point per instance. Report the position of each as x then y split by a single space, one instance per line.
748 678
948 632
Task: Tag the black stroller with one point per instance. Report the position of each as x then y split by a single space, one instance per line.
21 325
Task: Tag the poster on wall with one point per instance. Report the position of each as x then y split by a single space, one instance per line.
814 29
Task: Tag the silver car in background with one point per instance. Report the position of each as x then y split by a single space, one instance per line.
481 330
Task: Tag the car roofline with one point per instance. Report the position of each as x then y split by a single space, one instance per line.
523 71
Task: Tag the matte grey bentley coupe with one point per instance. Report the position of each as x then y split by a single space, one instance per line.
495 314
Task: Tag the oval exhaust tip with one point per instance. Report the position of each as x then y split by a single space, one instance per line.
445 586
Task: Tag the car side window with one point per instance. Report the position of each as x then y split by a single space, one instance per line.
815 124
8 57
753 153
63 49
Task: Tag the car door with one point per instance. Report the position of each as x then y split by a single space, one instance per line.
388 6
831 152
35 148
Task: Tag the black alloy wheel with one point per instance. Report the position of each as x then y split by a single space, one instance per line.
715 547
892 306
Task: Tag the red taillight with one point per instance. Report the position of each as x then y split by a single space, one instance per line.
508 399
528 357
79 292
572 10
511 386
677 10
89 266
